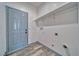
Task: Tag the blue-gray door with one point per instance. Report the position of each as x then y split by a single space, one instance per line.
17 29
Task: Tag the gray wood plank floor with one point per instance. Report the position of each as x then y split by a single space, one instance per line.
35 49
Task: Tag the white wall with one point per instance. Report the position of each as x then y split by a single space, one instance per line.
2 30
31 15
67 34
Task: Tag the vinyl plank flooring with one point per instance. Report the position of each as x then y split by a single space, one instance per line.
35 49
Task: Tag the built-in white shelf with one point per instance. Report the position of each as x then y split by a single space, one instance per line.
52 10
64 6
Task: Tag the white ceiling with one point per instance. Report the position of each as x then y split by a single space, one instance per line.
36 4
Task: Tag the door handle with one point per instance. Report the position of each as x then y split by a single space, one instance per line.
26 31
